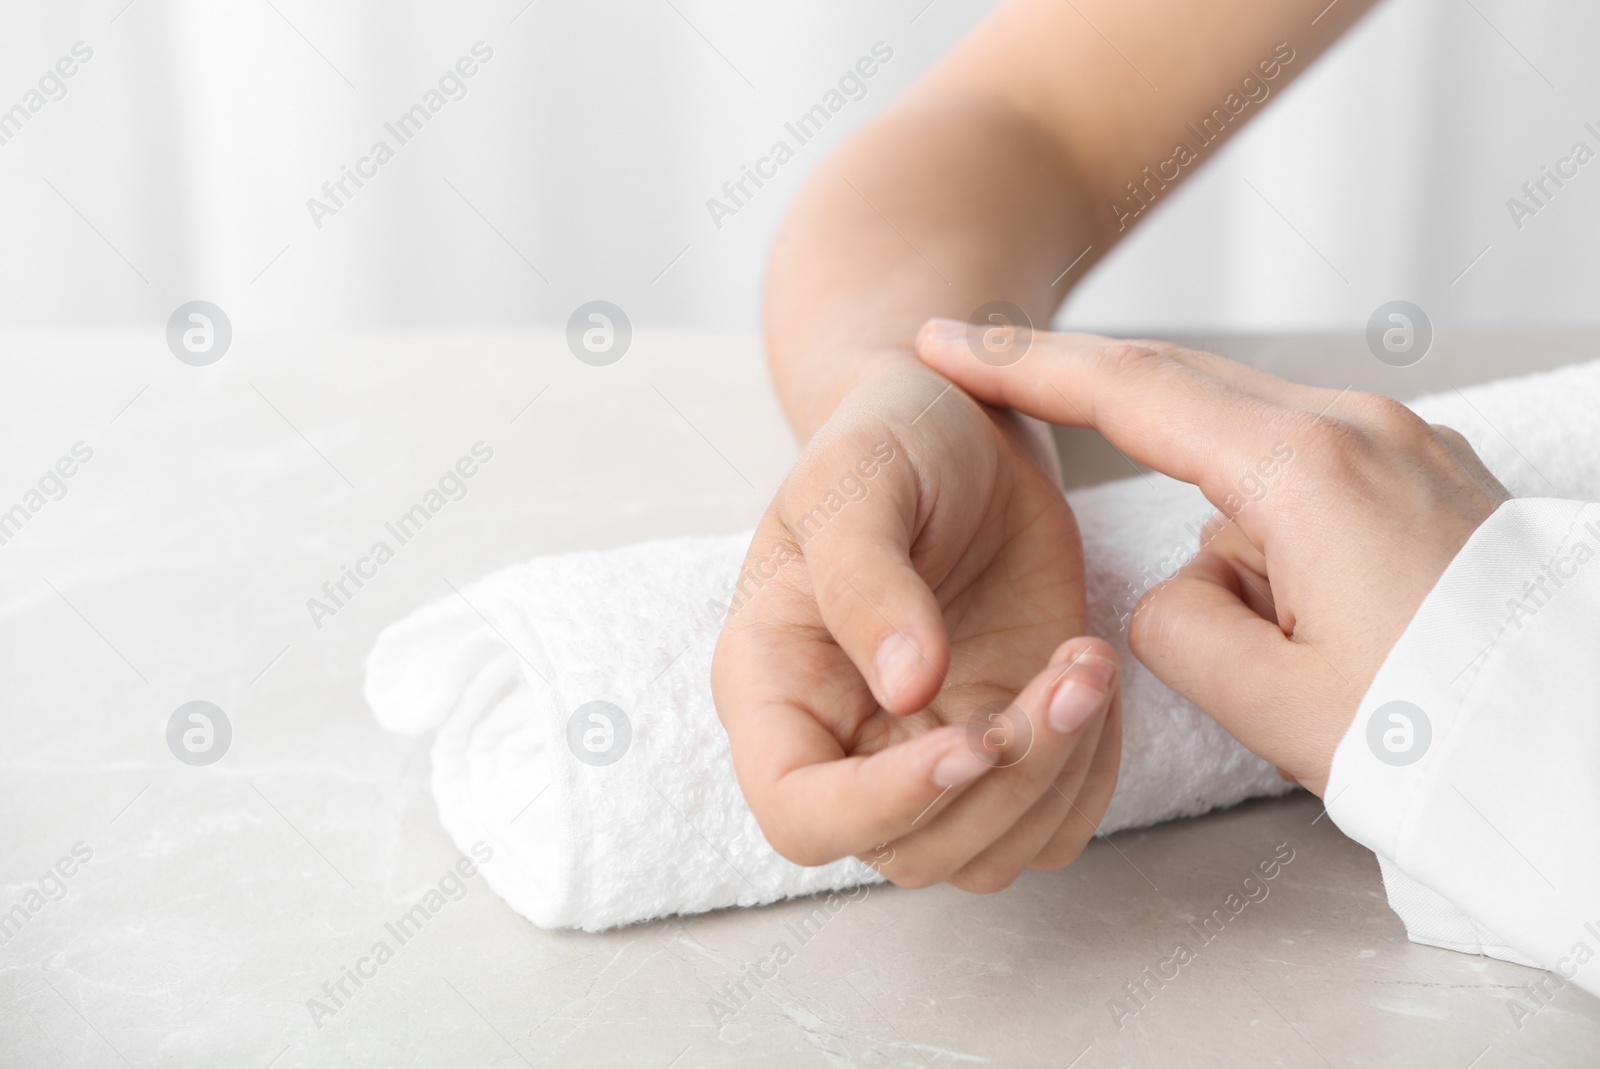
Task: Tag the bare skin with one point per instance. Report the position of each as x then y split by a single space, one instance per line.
846 679
1279 624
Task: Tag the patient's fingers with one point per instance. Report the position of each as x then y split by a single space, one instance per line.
1180 420
815 804
1054 816
1055 710
1090 799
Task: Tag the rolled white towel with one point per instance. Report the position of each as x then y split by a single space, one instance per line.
576 733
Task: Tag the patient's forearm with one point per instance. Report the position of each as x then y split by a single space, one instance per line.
1049 131
934 210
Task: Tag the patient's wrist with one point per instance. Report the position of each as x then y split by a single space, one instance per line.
813 389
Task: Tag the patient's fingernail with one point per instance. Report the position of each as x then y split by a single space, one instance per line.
1081 692
958 767
943 331
896 663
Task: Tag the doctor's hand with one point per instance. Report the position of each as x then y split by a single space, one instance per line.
1338 511
879 670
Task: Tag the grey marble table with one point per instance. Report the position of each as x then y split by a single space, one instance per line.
187 915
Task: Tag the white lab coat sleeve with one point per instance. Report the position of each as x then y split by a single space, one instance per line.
1472 768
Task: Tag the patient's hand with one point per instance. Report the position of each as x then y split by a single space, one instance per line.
915 570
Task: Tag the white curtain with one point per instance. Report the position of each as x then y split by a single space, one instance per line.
177 163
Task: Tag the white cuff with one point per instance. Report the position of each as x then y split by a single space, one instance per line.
1432 919
1470 767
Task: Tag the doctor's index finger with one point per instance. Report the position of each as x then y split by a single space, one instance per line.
1176 416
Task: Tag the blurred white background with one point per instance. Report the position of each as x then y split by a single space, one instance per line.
178 164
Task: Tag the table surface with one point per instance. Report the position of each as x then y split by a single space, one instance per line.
218 900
